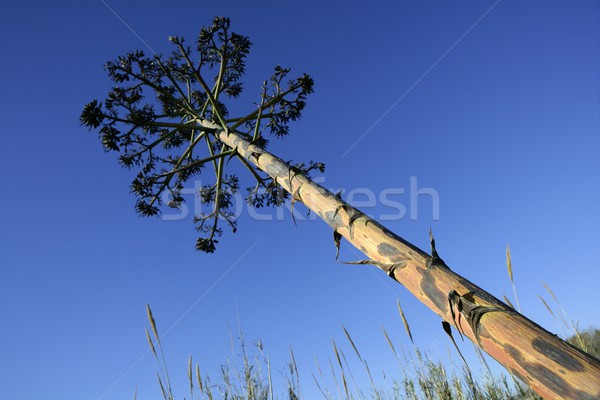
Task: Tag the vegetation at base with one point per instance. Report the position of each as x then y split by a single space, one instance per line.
420 377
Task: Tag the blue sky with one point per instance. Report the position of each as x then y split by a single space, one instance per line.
489 108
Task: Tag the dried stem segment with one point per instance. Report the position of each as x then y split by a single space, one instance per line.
549 365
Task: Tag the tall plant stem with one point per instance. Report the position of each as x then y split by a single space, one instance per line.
550 366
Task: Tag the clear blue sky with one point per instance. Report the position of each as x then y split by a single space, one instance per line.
498 116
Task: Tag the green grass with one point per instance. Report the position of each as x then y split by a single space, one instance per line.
250 378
